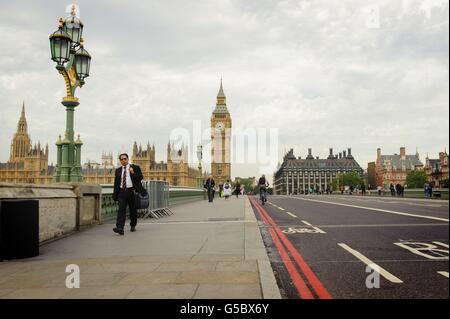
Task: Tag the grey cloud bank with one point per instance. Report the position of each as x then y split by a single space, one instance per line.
313 69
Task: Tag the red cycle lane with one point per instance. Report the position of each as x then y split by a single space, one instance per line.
284 246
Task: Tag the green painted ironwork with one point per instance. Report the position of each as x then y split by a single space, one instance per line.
176 196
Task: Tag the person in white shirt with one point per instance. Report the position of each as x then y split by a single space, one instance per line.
227 189
127 181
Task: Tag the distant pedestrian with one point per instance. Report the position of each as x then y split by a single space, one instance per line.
220 190
227 189
398 189
425 189
210 187
392 189
237 188
351 189
430 190
363 189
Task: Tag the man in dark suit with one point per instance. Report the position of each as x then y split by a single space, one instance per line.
127 180
210 186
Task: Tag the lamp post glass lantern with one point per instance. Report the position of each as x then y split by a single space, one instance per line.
60 45
73 63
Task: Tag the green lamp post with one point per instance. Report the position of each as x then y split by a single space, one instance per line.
73 63
199 157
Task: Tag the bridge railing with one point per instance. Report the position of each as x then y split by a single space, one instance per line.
161 198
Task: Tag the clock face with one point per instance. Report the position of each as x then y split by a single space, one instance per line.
220 126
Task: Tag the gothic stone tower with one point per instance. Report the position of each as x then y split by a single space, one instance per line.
221 140
21 143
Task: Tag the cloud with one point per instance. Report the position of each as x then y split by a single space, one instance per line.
312 69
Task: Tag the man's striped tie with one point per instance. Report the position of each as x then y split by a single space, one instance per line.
124 178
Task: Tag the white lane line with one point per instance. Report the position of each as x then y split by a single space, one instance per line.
371 264
383 225
440 244
306 223
280 208
378 210
192 222
443 273
320 231
290 214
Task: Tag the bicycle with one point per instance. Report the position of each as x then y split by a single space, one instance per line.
263 194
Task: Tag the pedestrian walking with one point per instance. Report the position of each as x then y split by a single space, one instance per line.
210 187
426 189
398 189
392 189
227 189
220 190
127 181
363 189
237 188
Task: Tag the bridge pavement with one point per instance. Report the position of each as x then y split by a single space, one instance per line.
203 250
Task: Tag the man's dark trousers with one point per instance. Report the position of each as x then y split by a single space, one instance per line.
210 195
126 197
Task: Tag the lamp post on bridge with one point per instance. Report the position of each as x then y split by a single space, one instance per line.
73 63
200 156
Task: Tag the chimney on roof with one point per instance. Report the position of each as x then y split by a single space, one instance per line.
403 152
349 151
340 155
378 153
344 153
331 154
309 151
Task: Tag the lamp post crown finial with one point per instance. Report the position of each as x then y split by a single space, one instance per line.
73 11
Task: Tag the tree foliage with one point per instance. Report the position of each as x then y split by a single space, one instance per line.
416 179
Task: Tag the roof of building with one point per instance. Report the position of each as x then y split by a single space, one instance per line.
221 107
397 162
290 161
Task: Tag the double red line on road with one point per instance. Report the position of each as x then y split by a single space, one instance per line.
279 238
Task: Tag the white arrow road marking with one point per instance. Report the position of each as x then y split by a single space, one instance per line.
320 231
376 209
291 214
443 273
372 265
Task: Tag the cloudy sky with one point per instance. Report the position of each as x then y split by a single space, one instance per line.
343 73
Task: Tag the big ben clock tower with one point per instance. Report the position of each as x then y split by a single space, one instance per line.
221 140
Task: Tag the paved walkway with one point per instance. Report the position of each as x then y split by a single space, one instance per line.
204 250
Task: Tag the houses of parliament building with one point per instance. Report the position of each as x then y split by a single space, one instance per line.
29 163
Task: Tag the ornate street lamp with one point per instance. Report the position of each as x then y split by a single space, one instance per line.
73 63
199 157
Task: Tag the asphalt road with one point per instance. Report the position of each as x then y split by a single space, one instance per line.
355 247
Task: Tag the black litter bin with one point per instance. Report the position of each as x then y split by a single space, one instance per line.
19 229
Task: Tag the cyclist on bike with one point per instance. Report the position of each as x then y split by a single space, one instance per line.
263 184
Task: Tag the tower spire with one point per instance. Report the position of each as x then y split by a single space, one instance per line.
221 104
221 93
